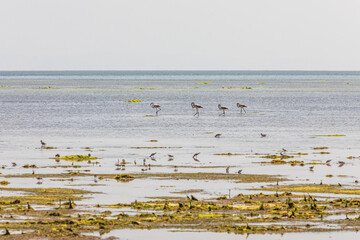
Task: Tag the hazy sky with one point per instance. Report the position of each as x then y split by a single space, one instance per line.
180 34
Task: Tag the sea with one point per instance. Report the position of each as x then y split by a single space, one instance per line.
108 114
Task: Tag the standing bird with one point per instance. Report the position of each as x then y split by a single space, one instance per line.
196 106
242 107
152 156
195 156
156 106
218 135
223 108
43 144
227 169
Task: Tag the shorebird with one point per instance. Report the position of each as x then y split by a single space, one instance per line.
196 106
152 156
118 164
242 107
227 169
311 168
195 155
223 108
239 172
43 144
89 155
262 135
57 155
175 169
155 106
14 164
341 163
218 135
171 157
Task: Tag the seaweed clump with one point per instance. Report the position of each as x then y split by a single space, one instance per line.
76 158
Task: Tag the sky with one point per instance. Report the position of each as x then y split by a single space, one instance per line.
179 34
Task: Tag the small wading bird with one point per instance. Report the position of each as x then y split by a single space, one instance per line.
43 144
195 156
171 157
341 163
262 135
242 107
218 135
223 108
155 106
227 169
196 106
311 168
152 156
239 172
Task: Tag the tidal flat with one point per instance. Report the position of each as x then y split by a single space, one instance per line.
106 171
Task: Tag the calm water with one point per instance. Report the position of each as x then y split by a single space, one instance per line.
89 109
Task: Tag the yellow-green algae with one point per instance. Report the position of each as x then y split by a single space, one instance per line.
4 183
42 196
76 158
240 214
134 100
331 135
314 188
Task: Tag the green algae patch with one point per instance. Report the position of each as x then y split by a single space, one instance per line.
4 86
320 148
46 88
203 83
30 166
124 177
4 183
76 158
331 135
149 115
237 88
313 188
44 196
321 152
133 100
274 156
243 178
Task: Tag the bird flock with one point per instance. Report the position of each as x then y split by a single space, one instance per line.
196 106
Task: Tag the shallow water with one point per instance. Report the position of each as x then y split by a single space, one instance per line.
173 234
89 109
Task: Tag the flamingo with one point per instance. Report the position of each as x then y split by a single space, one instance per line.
223 108
241 106
156 106
196 106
